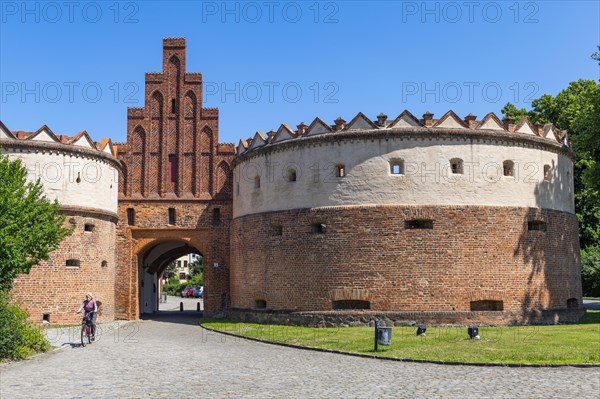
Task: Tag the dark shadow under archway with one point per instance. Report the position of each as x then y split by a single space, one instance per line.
151 265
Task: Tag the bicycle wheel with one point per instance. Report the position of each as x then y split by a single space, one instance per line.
88 333
83 336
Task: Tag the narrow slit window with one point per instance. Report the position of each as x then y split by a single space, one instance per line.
257 182
340 170
216 217
486 306
350 304
130 216
173 168
172 216
418 224
173 106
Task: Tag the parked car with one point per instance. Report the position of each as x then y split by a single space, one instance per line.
187 292
198 292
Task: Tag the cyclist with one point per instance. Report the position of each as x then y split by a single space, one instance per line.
90 307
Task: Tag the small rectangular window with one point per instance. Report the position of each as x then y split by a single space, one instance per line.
173 106
130 216
182 276
418 224
73 263
276 230
185 263
257 182
216 217
178 263
104 264
547 172
318 228
171 215
536 225
88 227
260 304
46 317
340 171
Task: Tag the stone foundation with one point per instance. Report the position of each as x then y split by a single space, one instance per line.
366 318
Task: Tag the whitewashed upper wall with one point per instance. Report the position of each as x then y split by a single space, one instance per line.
426 180
73 179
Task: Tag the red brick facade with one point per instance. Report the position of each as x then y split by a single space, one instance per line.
173 159
470 255
57 290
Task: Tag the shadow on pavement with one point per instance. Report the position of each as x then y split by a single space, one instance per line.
189 317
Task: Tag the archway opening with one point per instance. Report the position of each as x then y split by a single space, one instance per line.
167 268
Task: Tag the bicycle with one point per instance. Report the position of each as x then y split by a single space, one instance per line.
86 329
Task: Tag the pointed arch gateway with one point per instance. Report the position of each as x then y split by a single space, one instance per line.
153 257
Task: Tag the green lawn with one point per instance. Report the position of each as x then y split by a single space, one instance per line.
573 343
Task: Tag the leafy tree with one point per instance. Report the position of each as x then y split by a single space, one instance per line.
590 270
170 271
577 110
197 266
30 226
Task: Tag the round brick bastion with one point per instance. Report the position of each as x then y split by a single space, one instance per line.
445 221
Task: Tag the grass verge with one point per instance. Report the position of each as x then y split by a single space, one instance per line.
555 344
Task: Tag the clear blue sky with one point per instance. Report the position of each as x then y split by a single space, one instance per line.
344 57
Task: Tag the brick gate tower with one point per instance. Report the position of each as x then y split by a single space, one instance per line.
175 189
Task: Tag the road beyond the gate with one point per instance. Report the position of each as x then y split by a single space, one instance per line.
172 357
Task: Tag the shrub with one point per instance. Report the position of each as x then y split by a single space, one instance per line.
18 337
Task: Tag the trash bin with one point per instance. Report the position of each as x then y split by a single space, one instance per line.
384 336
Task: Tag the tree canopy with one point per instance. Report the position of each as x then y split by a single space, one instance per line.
577 109
30 225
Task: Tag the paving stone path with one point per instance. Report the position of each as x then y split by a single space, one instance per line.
172 357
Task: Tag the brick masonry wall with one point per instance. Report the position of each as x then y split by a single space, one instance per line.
53 288
471 254
173 159
194 225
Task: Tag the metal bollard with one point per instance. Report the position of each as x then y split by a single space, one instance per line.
181 306
198 306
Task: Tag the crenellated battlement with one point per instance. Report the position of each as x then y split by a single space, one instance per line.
45 137
406 121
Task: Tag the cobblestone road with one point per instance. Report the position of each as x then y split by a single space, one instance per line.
172 357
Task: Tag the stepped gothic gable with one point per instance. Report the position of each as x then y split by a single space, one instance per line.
173 149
